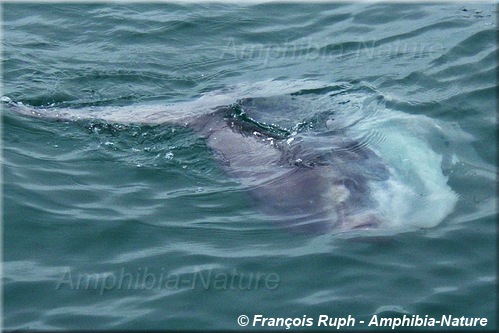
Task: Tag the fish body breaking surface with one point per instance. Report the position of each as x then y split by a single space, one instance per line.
310 155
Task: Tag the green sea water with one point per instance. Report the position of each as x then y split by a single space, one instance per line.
132 226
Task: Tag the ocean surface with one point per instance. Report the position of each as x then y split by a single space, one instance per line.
114 222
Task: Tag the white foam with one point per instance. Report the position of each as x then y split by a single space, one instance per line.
417 194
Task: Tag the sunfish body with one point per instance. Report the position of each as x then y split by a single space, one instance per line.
297 185
297 178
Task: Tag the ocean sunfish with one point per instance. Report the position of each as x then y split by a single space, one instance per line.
298 178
